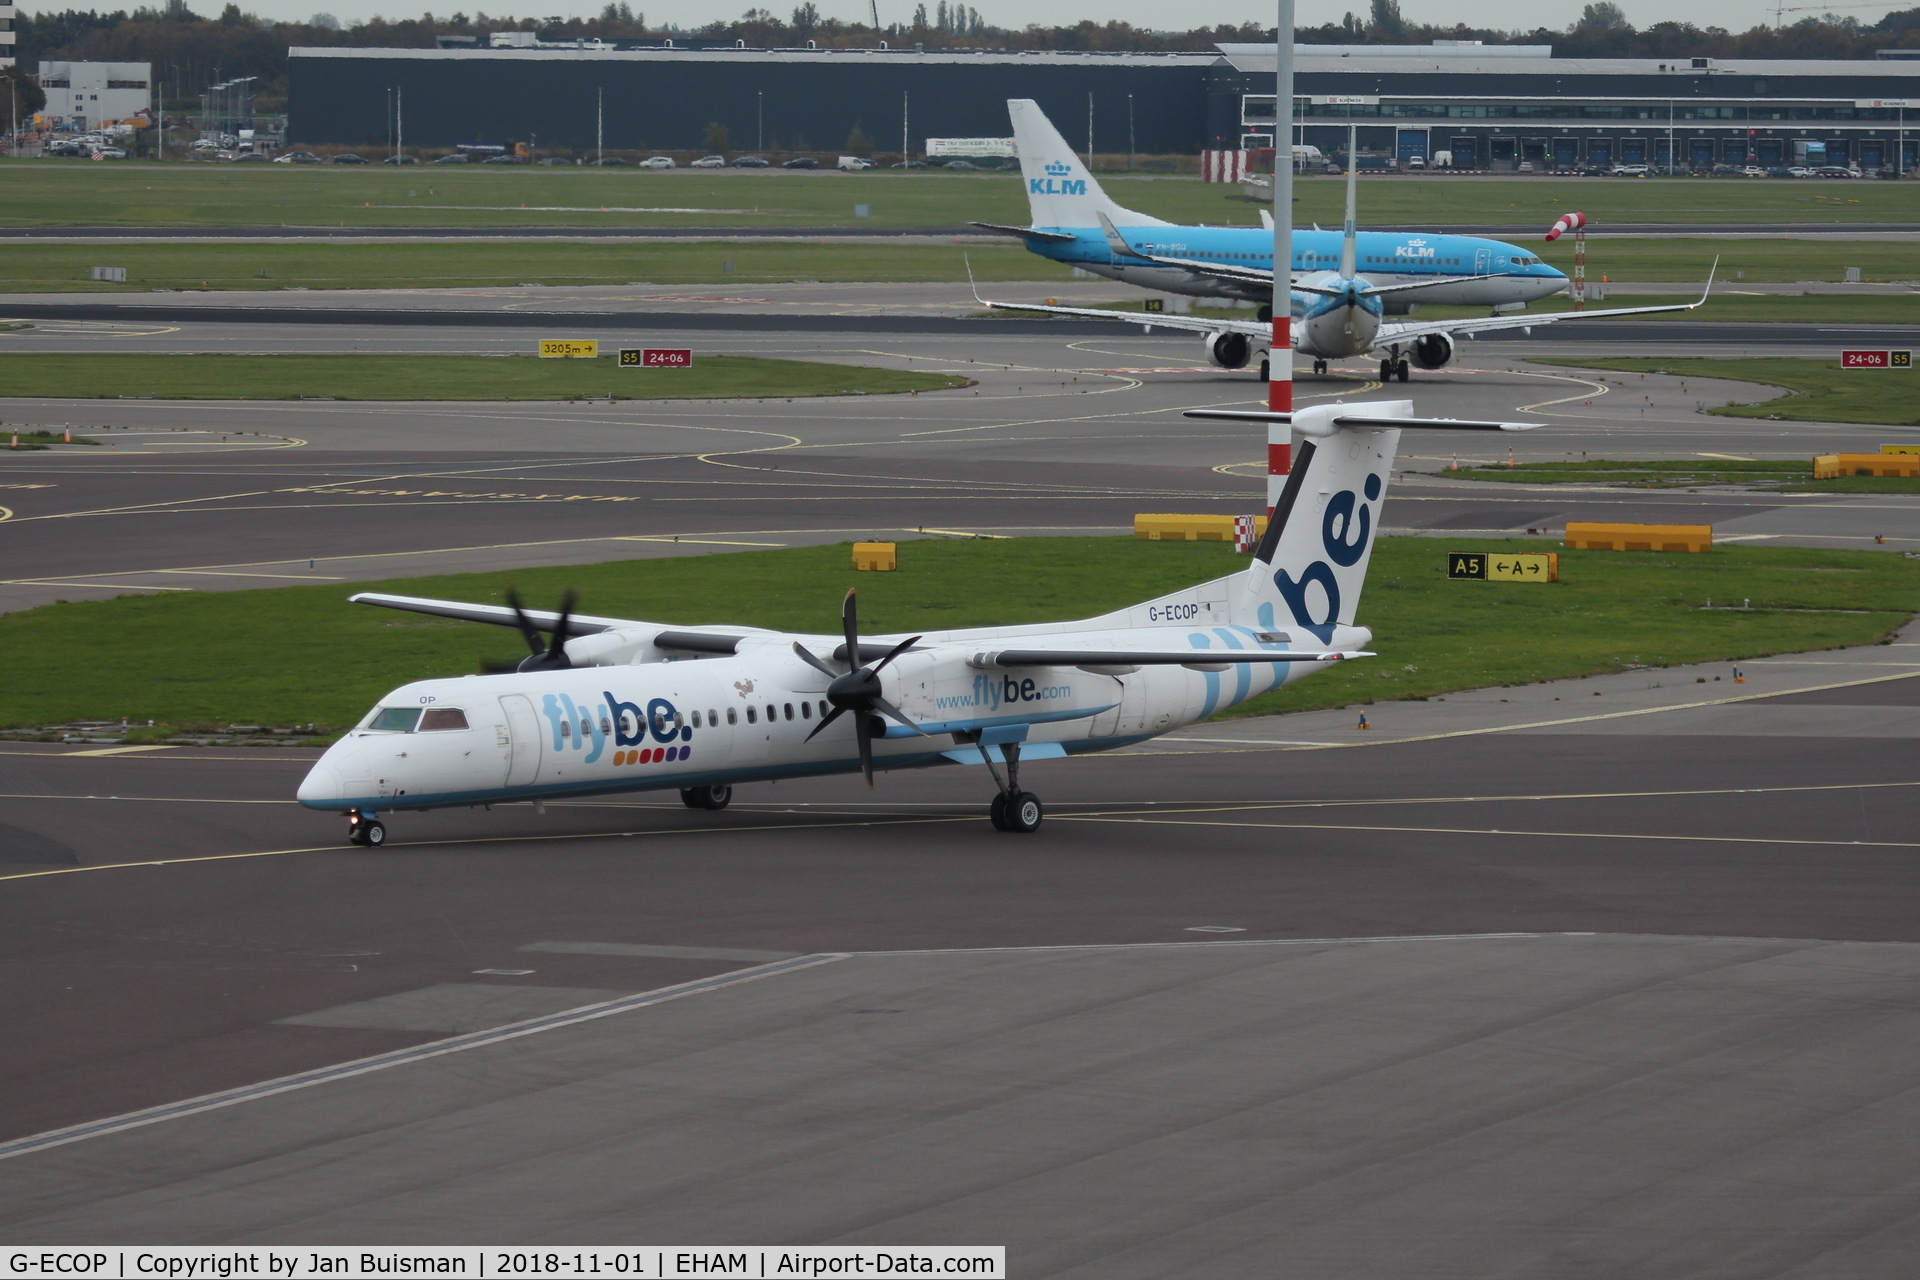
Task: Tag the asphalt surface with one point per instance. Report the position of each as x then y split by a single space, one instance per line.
1646 1003
1661 943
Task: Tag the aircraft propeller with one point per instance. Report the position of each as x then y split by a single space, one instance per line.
544 654
858 688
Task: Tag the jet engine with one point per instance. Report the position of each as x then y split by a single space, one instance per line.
1433 351
1229 350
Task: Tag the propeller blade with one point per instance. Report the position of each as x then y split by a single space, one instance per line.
863 729
850 625
892 712
825 720
556 653
528 632
895 652
815 663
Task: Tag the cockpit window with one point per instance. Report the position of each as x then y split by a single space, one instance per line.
395 719
443 718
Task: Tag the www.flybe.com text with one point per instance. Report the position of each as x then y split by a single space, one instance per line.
990 693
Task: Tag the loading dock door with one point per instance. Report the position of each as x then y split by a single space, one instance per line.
1566 153
1467 153
1700 152
1600 151
1770 152
1633 151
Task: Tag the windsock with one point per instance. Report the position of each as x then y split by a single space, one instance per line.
1568 222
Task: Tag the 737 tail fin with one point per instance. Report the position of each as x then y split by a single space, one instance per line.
1060 191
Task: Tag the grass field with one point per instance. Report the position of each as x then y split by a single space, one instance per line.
442 377
1823 391
300 655
270 265
1791 476
12 438
70 193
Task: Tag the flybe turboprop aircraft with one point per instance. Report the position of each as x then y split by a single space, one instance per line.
609 705
1070 224
1337 314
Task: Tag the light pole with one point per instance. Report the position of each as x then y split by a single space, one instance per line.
1089 131
1670 156
759 120
599 126
906 138
1129 132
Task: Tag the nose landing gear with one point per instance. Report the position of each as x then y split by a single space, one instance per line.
1013 809
365 829
1391 369
718 796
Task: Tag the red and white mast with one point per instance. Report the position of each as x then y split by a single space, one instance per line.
1280 349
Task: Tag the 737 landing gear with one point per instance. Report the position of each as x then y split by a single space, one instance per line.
365 829
1391 369
1013 809
1319 366
718 796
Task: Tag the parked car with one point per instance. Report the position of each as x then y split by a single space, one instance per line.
1799 171
1752 171
962 166
1834 171
297 157
1629 171
909 164
750 162
553 161
609 162
108 153
455 158
349 157
709 162
243 157
402 159
1525 166
506 159
656 162
801 162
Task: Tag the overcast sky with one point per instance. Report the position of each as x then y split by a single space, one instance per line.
1735 15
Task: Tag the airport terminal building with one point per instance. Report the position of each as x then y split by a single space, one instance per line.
1491 107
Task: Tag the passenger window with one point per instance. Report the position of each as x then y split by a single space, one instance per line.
606 726
789 707
823 709
806 711
696 719
751 717
443 718
566 730
713 717
732 716
395 719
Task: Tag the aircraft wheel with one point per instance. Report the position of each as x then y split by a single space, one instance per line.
997 811
1265 314
1266 374
1386 371
714 797
1024 812
1403 370
368 831
1319 366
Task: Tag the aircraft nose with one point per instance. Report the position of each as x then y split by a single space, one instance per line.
321 787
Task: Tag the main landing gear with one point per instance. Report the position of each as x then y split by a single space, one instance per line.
1319 366
1391 369
714 797
1013 809
365 829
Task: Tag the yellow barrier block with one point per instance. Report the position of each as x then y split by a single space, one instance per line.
1170 528
1900 448
1639 537
1832 465
874 555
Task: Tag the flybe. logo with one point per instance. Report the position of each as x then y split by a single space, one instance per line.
587 726
1344 534
1414 249
1056 183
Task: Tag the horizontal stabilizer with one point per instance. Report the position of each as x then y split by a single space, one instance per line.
1028 233
1429 424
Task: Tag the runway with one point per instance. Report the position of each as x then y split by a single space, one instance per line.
1606 976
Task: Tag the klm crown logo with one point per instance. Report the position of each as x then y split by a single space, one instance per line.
1056 183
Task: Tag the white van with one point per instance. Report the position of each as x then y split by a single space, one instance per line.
854 163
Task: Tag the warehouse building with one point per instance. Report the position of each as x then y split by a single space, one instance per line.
87 95
1488 106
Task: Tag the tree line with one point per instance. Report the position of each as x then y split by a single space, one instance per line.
189 51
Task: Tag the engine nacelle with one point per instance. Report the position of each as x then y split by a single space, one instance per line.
1229 350
1433 351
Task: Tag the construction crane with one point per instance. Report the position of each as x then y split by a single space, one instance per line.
1781 9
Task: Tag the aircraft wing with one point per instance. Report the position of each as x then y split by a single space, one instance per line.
1151 319
1204 658
579 624
1392 332
1025 233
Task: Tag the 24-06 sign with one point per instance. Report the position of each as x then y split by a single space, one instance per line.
656 357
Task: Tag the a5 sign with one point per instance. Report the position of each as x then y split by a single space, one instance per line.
656 357
1876 359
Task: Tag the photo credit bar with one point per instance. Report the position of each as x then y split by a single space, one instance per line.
497 1262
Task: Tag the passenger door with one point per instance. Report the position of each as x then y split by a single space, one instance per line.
523 740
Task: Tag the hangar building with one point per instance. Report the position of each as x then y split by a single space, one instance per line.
1491 106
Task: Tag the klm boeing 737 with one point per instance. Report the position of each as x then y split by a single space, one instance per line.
1344 284
1067 206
